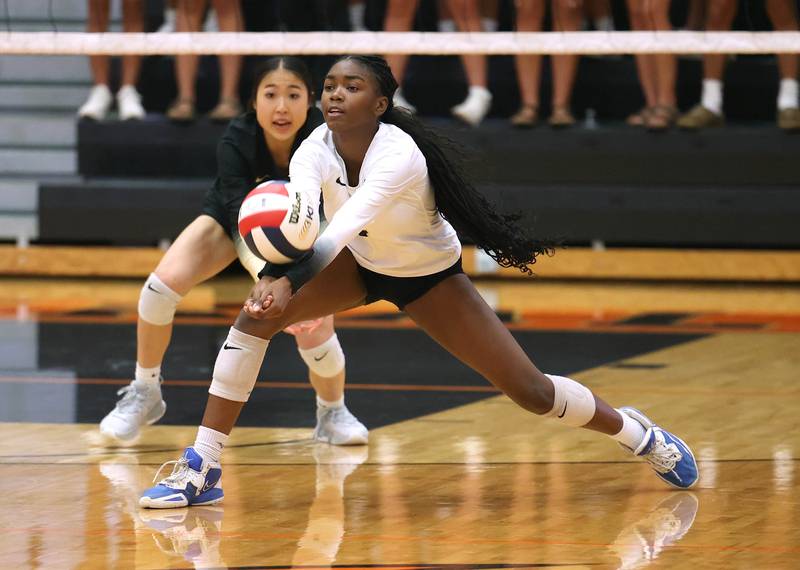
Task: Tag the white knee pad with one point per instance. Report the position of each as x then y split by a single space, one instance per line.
157 302
574 403
237 366
325 360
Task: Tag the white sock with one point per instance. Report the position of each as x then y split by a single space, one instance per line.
712 95
150 376
448 25
209 444
357 16
787 94
335 404
631 434
604 24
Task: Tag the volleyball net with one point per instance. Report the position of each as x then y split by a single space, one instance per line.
418 43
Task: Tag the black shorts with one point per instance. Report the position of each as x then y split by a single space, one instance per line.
214 207
403 290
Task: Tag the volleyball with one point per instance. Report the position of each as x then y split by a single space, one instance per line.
277 223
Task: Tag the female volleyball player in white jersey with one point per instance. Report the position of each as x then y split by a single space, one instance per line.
256 146
395 199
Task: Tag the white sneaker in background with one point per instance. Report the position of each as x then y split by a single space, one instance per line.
399 101
169 22
475 106
129 104
98 104
211 24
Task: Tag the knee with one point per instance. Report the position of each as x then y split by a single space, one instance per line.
157 301
263 329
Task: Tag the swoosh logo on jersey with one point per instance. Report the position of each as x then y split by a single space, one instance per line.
321 357
340 183
564 411
226 346
154 290
261 179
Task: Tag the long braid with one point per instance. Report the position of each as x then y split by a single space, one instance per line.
458 201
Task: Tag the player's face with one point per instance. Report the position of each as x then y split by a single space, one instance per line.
350 97
281 104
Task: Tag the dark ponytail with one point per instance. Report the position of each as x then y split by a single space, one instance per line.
458 201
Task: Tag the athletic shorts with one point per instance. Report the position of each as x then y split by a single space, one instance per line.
403 290
214 206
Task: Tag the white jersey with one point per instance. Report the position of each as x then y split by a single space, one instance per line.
388 218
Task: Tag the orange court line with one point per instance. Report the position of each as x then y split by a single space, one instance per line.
262 384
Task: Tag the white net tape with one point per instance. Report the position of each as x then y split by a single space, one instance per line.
424 43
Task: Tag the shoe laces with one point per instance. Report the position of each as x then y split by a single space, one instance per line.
342 416
180 472
133 399
663 456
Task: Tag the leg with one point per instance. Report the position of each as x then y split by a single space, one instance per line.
98 22
529 16
567 17
188 18
100 99
229 16
455 316
132 21
337 288
468 19
708 113
201 251
399 18
783 15
479 100
322 353
645 65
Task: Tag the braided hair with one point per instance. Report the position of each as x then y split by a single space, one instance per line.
474 218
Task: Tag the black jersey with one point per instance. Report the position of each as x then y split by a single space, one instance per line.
243 162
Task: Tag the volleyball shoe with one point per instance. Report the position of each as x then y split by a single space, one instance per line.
193 481
338 426
667 454
141 405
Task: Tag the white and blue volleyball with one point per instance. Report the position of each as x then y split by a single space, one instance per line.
278 224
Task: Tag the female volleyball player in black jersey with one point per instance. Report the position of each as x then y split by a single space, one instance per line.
256 146
395 198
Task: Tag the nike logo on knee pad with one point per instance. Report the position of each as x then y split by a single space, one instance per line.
226 346
321 357
153 289
564 411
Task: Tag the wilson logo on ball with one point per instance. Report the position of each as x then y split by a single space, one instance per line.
278 224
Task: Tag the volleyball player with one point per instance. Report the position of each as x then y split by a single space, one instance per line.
395 200
256 146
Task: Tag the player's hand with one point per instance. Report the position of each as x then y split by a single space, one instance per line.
269 298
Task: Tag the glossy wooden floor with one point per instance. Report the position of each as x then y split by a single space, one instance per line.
479 486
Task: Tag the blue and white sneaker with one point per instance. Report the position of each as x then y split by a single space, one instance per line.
193 481
666 453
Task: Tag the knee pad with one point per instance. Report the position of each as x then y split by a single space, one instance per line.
157 302
237 366
574 403
325 360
